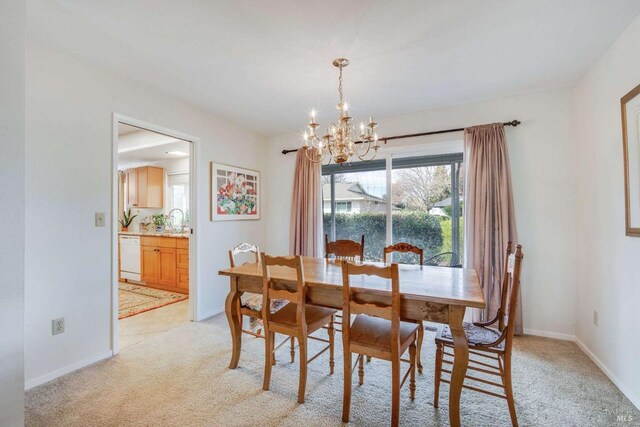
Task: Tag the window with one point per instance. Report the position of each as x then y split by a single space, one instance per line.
417 200
178 193
343 206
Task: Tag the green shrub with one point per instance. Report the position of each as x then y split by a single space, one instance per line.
415 227
449 209
447 244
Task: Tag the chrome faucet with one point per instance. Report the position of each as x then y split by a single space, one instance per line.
182 222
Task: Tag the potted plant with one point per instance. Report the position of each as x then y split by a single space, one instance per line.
126 220
159 220
144 223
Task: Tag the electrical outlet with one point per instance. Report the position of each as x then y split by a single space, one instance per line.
595 317
57 326
99 219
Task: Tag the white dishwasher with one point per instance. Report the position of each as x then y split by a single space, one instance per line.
130 257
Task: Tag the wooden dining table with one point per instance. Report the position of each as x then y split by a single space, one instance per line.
435 294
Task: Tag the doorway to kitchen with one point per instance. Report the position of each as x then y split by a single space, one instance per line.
153 254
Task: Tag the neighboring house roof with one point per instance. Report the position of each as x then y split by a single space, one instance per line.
349 191
445 202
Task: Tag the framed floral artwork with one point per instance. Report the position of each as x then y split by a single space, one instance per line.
235 193
630 106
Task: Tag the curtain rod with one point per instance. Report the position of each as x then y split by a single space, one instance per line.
513 123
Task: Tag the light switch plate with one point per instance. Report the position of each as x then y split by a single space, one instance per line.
99 217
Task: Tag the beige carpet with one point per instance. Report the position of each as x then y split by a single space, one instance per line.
135 299
180 378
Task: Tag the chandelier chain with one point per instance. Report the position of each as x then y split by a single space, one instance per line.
340 84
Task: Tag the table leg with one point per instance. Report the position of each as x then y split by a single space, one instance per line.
460 364
232 309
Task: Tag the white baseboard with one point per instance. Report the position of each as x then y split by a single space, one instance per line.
66 370
210 313
615 380
548 334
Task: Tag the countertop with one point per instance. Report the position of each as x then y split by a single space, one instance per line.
154 234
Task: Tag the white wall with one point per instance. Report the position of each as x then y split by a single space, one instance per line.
12 67
607 270
68 178
544 191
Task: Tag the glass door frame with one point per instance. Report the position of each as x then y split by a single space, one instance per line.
454 160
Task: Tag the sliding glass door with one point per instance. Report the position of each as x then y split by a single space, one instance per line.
355 204
426 203
417 200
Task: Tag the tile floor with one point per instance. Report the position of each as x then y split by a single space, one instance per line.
143 326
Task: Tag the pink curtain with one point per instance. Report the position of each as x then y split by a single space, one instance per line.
305 233
489 218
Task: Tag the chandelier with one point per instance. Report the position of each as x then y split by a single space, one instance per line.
340 143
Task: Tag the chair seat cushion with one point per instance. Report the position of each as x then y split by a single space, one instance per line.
254 302
374 332
315 316
475 335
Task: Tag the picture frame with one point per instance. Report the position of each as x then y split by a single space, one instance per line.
630 110
234 193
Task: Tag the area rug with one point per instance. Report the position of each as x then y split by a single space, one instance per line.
135 299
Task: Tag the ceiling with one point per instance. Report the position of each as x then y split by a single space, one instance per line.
137 146
265 64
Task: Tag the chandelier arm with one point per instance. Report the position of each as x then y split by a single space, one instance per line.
366 152
329 144
375 153
306 153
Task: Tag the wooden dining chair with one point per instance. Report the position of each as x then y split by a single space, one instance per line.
403 248
493 344
347 250
250 303
344 249
409 248
296 319
445 259
376 331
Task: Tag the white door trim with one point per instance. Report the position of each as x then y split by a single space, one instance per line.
194 153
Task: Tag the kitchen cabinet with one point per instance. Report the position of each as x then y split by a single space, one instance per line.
165 263
145 187
182 264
